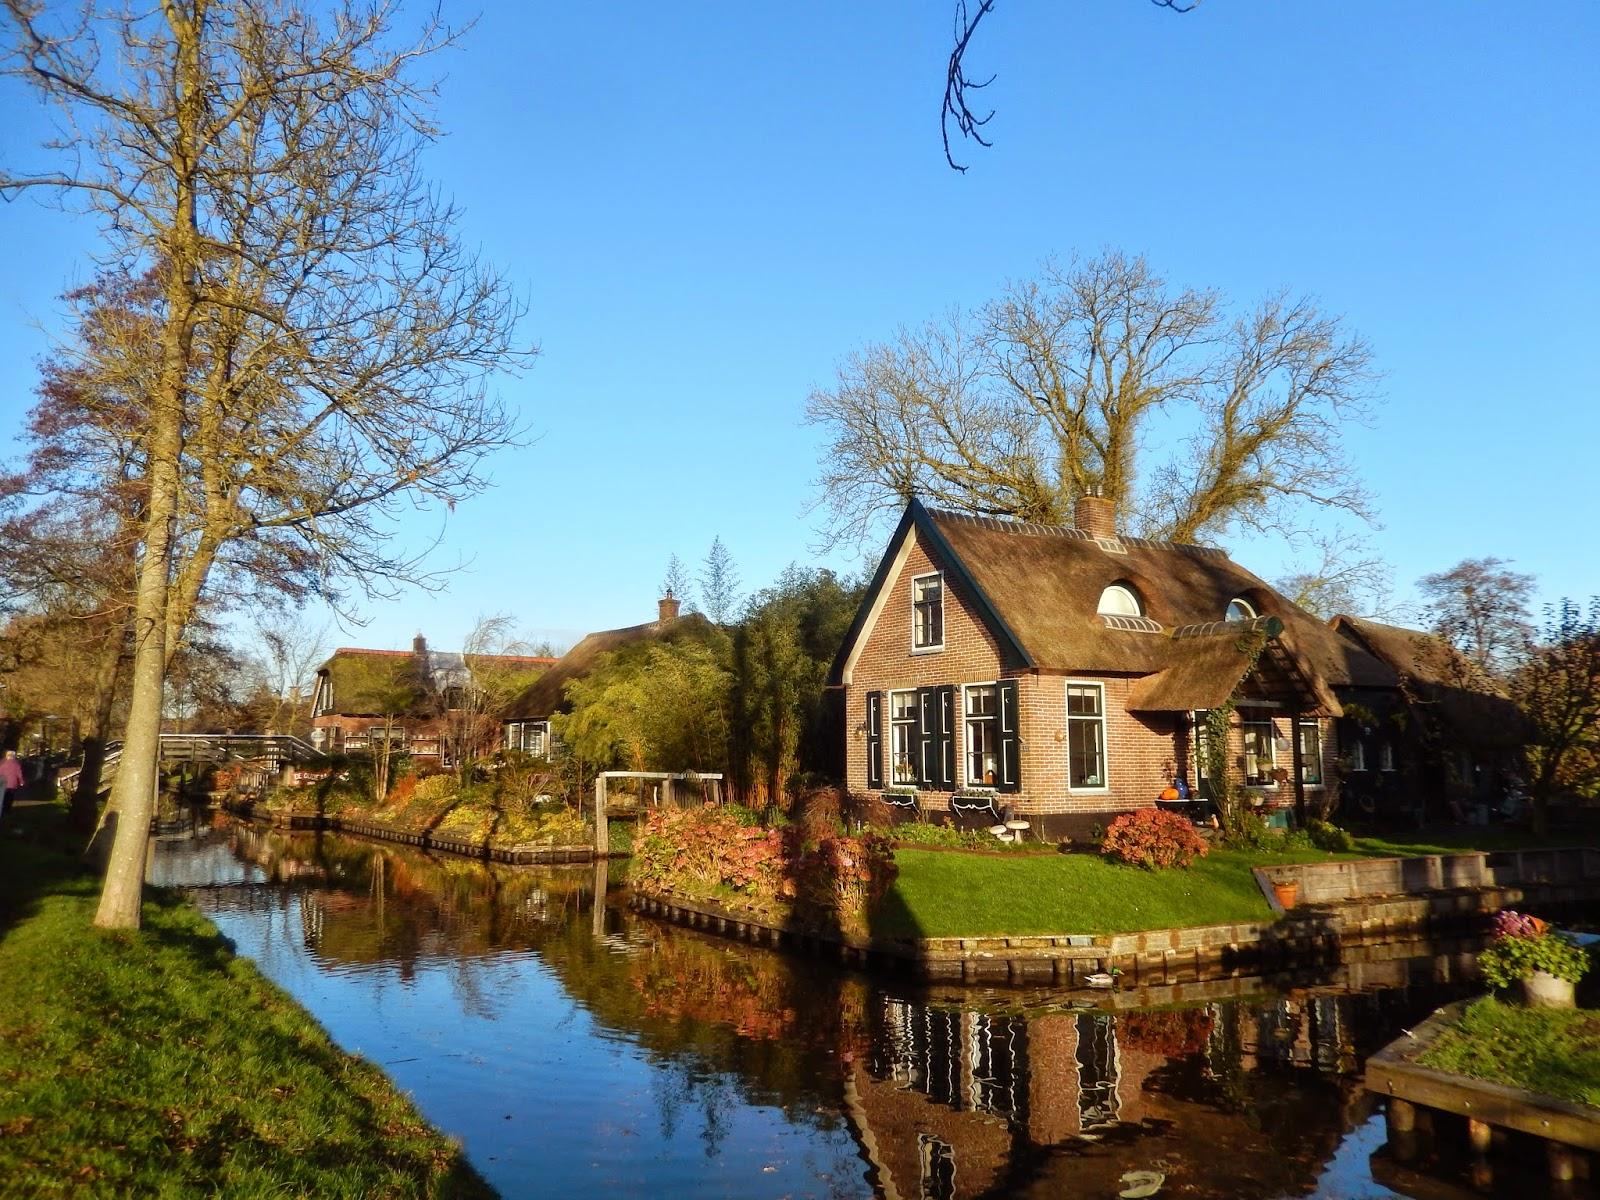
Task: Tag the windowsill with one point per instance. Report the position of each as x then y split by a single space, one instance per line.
928 649
1086 789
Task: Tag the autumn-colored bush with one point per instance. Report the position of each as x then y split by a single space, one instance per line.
1176 1033
402 790
1152 838
698 851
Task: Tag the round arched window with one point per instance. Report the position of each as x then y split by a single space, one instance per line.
1240 609
1119 600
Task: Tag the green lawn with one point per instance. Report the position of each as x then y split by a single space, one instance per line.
1553 1051
952 894
159 1064
1456 841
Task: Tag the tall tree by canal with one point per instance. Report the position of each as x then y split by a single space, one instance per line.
325 341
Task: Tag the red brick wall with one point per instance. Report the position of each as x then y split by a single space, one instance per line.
1141 748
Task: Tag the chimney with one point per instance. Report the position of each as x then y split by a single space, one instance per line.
419 645
1095 515
669 607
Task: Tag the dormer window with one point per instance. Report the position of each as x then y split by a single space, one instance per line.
1240 609
1119 600
927 612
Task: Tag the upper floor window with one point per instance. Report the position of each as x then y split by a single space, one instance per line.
927 612
1240 609
1119 600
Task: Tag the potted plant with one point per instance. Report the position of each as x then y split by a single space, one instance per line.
1286 893
1526 951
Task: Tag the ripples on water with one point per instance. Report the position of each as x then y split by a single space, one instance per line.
577 1053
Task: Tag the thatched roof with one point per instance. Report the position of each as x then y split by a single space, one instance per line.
1442 681
377 682
1207 664
548 694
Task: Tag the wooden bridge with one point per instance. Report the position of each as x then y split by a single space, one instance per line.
279 749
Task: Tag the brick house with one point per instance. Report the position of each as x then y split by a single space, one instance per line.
417 695
1063 675
525 723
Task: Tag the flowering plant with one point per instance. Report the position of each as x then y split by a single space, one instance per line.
1152 838
1524 944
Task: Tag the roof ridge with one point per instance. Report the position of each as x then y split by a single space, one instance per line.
1040 529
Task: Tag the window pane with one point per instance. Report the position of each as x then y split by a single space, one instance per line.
903 706
980 701
1310 753
1083 701
1084 754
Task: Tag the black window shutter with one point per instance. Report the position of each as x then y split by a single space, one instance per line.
947 739
927 738
1010 737
874 739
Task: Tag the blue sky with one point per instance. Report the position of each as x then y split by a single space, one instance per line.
708 205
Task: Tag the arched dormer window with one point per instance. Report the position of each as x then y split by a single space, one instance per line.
1119 600
1240 609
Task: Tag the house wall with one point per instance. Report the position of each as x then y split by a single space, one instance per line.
1142 749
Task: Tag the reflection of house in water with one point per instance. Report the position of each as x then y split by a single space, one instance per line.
953 1103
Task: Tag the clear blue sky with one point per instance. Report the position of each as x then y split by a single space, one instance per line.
707 205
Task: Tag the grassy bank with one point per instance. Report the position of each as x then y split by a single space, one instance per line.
160 1064
1552 1051
951 894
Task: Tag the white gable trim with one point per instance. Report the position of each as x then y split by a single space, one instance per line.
847 676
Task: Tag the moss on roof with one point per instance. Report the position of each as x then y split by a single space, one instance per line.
548 694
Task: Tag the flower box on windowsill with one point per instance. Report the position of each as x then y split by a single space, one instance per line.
900 794
973 797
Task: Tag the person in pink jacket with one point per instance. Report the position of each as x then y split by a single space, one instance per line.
10 778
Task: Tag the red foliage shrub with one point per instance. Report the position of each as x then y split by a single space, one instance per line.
1152 838
1173 1034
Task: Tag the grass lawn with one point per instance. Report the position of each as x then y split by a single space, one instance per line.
1456 841
953 894
1553 1051
159 1064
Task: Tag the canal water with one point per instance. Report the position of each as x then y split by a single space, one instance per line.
577 1049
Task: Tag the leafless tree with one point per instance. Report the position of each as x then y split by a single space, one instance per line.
496 671
1481 607
959 86
324 341
288 652
1033 399
1344 576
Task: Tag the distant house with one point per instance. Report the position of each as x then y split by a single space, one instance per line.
413 694
526 719
1065 674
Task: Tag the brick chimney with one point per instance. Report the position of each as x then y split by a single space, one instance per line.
1095 515
419 645
669 606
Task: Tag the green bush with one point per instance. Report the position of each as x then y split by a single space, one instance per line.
1512 958
1250 832
1327 836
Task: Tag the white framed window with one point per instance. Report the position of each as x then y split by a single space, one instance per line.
1260 751
531 737
1358 754
927 612
903 737
1310 752
1086 737
1240 609
981 730
1119 600
1202 750
1385 756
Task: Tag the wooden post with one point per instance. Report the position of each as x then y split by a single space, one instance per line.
1480 1134
602 834
598 915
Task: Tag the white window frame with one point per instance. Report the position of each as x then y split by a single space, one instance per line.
1133 601
1272 748
1386 756
1358 754
944 591
1310 723
967 782
1201 719
1105 736
1243 603
910 725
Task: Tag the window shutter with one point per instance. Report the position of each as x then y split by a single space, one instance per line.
927 737
1010 738
874 739
947 739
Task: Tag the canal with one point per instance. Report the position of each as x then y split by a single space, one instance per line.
578 1049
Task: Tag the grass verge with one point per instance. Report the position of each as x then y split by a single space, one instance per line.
157 1063
951 894
1552 1051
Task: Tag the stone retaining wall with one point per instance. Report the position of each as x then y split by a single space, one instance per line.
1332 882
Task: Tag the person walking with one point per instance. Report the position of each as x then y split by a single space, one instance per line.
10 779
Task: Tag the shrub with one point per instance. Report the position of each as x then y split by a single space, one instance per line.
1249 832
1175 1033
435 789
1523 945
1151 838
1327 836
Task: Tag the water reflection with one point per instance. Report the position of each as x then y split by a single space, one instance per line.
576 1047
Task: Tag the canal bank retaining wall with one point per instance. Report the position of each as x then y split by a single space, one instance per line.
1326 932
1372 878
425 841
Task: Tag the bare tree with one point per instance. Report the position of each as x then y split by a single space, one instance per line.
1481 608
1344 577
324 341
959 86
1052 390
288 654
719 583
497 668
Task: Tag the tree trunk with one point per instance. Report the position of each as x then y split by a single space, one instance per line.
85 808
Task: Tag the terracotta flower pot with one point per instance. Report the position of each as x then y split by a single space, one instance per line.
1286 893
1544 990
